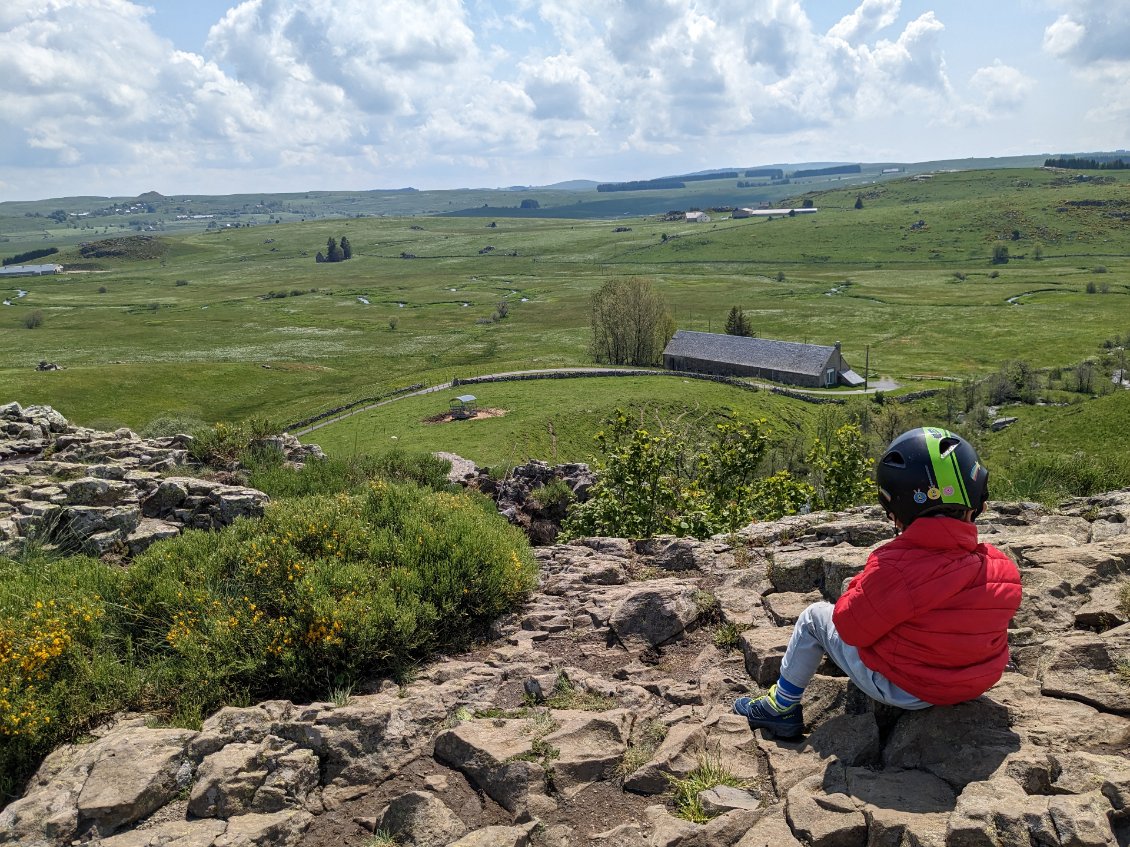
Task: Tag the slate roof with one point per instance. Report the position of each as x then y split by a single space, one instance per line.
788 356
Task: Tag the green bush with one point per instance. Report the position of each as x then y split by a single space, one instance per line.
323 591
320 593
62 668
665 482
224 443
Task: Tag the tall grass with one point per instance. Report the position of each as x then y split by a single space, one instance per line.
1049 478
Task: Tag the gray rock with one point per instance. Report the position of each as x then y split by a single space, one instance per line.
654 613
497 836
723 798
132 773
171 834
1086 667
421 819
589 747
492 755
823 814
280 829
763 648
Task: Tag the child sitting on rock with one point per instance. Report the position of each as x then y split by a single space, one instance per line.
926 622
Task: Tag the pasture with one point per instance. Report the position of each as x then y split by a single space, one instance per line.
239 322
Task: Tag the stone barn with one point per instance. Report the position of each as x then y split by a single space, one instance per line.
807 365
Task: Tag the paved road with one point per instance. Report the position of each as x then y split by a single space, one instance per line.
879 385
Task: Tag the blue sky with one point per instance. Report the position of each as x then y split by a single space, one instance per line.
112 97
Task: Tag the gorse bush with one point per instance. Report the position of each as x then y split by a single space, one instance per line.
662 482
319 594
62 665
326 589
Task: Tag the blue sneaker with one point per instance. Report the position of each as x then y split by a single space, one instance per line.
763 713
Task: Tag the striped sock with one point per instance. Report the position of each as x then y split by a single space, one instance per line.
785 695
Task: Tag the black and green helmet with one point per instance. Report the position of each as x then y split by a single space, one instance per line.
928 471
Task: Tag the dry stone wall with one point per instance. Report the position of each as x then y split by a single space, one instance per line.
617 677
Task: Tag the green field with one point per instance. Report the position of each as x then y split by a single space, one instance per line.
553 419
228 324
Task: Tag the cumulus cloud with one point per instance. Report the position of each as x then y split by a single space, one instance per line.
1091 31
389 93
1002 88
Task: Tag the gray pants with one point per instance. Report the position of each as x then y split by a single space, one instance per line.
813 636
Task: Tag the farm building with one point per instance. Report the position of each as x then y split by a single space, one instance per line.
30 270
698 217
809 365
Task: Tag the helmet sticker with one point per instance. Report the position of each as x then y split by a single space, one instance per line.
973 474
948 491
920 496
934 493
885 494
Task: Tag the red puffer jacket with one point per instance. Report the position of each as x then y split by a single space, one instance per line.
930 611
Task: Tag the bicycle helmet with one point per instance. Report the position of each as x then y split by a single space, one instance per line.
929 471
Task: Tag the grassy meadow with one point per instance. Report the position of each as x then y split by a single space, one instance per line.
239 322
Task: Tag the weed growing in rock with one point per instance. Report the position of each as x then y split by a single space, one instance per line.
710 773
645 741
566 695
1124 599
381 838
727 635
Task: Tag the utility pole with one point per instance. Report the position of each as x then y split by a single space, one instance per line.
866 366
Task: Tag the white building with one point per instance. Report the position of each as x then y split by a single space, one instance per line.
698 218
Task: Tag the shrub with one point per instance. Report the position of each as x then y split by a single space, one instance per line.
1049 478
223 443
181 282
61 669
323 591
668 482
34 320
102 289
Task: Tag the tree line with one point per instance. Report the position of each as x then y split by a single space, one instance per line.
30 255
1088 164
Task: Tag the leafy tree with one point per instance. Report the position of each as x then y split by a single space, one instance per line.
320 257
334 253
737 323
843 471
346 248
1000 254
529 203
630 322
59 215
859 201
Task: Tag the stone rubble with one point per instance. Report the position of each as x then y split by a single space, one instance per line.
616 678
105 493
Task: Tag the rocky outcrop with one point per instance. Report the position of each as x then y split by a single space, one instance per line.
109 493
522 495
616 678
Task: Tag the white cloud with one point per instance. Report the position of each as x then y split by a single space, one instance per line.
347 92
869 18
1091 31
1002 88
